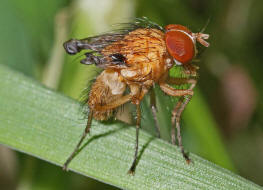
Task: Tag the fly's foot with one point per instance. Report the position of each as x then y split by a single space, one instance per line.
65 167
131 172
186 157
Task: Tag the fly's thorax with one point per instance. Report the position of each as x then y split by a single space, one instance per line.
146 55
107 88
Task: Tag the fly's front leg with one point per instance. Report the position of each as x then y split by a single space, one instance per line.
177 111
185 97
176 117
166 88
174 112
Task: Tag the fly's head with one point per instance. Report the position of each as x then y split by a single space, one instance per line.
181 43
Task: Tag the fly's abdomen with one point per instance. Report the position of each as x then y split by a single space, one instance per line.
106 89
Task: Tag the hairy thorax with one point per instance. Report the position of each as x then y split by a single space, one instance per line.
145 53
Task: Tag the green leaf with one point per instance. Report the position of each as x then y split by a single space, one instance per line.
47 125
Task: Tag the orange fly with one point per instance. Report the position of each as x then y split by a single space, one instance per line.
136 57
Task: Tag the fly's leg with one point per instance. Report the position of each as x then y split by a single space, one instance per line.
130 97
180 103
174 113
176 117
112 105
166 88
154 112
138 123
86 131
180 106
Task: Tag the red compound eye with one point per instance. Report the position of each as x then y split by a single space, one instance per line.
180 45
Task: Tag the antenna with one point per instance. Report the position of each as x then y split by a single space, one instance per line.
206 24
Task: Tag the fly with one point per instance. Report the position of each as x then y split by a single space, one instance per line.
137 57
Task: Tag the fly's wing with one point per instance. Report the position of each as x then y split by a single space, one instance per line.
96 44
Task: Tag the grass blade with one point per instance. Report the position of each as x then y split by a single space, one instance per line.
47 125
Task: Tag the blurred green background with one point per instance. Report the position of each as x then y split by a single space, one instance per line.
224 121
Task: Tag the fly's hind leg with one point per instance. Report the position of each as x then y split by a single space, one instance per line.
86 131
114 104
111 105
